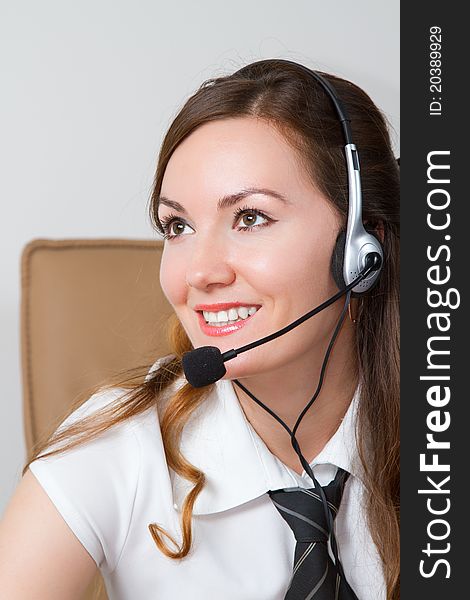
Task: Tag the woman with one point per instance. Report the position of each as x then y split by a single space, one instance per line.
251 194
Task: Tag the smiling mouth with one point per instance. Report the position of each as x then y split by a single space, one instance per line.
228 317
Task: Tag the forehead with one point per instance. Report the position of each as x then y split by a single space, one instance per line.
221 156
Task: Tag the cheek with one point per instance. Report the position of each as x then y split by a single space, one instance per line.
302 265
172 279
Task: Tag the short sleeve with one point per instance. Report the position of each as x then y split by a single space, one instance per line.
94 485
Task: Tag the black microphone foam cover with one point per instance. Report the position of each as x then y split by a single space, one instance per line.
203 366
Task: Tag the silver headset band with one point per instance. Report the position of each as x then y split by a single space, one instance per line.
358 241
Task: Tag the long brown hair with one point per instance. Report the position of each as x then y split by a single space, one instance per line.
286 97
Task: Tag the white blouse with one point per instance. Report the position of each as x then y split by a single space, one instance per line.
110 489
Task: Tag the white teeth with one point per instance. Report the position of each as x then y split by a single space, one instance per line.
243 312
232 314
224 317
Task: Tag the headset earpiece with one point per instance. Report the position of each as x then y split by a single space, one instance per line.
337 259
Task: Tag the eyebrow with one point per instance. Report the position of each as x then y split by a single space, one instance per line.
228 200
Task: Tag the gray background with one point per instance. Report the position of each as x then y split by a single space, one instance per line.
88 90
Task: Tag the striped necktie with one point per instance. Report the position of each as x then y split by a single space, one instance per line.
315 575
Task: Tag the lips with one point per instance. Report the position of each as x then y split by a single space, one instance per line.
213 330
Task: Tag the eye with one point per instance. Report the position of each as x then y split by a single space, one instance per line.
249 216
172 227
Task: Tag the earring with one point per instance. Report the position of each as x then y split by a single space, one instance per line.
352 312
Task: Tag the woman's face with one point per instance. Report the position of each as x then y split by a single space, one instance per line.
236 250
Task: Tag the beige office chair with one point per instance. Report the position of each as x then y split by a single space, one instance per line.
90 308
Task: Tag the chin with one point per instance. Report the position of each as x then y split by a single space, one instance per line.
243 367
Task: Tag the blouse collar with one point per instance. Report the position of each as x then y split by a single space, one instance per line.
238 466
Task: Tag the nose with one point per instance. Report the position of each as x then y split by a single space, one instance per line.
209 264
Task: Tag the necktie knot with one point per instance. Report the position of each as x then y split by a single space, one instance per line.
303 508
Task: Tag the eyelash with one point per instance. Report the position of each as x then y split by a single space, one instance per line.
167 221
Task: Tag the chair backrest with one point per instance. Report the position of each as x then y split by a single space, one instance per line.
89 309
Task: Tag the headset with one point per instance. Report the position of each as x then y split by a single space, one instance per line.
353 245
